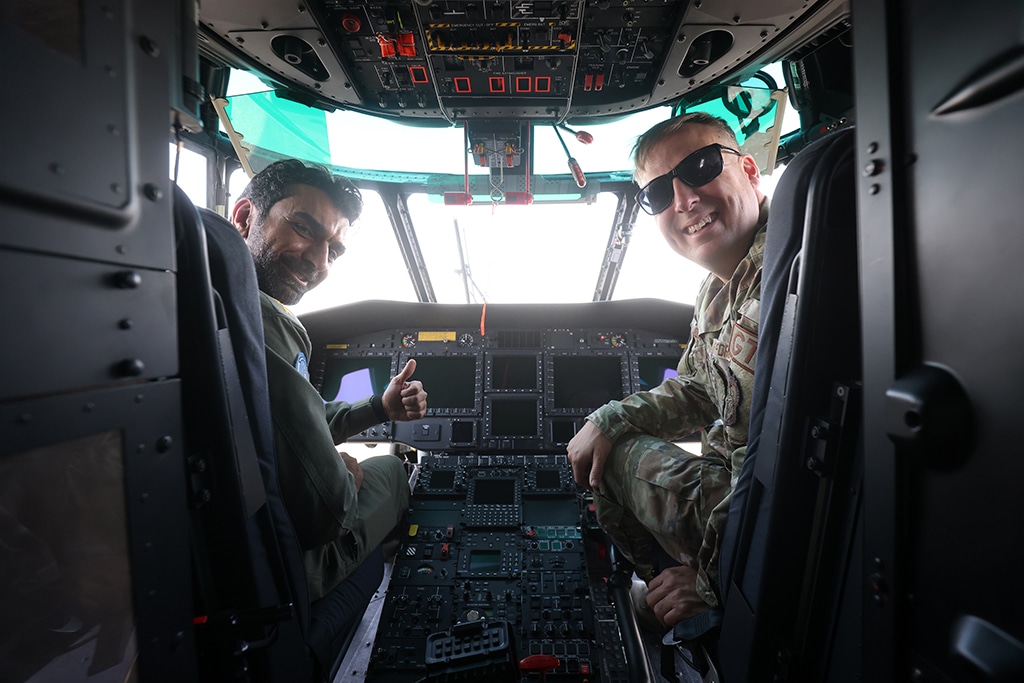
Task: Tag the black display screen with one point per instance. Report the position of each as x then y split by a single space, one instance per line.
485 561
494 492
351 379
442 480
514 417
654 371
450 381
514 373
586 381
548 479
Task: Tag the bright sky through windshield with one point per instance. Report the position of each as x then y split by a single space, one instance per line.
542 253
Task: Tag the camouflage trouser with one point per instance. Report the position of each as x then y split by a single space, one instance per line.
654 493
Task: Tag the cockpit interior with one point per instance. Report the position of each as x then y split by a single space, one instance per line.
143 530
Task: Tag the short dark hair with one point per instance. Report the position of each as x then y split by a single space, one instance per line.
276 181
657 133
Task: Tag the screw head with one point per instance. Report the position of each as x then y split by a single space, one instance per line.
873 167
152 192
149 46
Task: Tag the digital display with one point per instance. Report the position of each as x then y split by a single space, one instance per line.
485 561
514 417
442 479
450 381
462 432
562 431
494 492
654 371
353 379
586 381
514 373
548 479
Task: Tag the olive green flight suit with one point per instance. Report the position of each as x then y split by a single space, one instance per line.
337 526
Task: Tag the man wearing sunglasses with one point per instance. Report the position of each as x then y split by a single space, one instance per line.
663 507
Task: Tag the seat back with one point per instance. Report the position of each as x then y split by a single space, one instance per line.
790 532
251 596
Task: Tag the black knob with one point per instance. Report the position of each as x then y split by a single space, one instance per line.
130 367
127 279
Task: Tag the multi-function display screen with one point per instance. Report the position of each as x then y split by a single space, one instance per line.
494 492
586 381
514 373
450 381
654 371
352 379
514 417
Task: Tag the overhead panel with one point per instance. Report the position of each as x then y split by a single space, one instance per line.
501 59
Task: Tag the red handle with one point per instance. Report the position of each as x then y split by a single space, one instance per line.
577 173
539 663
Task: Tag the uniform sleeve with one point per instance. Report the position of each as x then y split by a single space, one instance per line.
346 419
318 489
674 409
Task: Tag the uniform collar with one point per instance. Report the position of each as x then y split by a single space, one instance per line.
716 296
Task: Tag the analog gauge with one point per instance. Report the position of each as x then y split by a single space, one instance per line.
465 339
408 341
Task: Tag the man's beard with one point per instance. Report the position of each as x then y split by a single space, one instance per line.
275 277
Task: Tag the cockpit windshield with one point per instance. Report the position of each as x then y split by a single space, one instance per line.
553 247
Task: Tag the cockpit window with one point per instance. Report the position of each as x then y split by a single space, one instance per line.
542 253
549 251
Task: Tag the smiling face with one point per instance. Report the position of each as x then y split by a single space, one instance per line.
295 244
714 224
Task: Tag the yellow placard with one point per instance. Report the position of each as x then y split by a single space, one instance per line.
436 336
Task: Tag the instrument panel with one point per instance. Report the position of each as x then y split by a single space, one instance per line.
538 60
502 567
519 390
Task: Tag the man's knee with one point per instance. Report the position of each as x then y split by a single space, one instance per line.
387 471
385 491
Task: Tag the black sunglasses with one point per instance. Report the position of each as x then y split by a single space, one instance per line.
699 168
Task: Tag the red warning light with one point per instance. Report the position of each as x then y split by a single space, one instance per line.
542 84
497 83
524 84
350 22
462 84
418 74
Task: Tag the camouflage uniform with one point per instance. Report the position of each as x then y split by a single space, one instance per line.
337 526
652 491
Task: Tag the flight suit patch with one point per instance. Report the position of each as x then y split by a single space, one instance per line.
302 366
733 399
743 347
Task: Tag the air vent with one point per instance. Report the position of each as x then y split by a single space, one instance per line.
705 50
299 54
519 340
